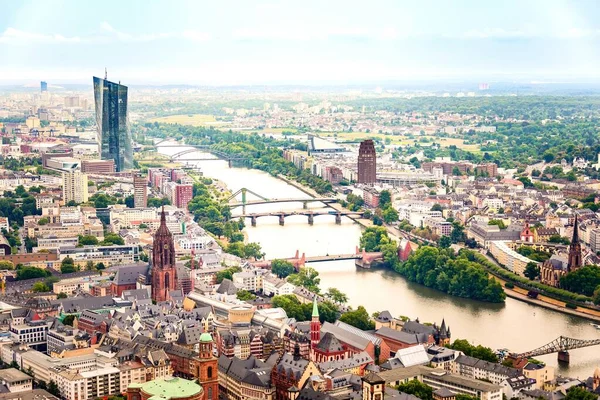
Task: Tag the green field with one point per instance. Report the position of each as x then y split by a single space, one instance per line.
192 119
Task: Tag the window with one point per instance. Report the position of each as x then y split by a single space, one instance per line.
210 392
209 372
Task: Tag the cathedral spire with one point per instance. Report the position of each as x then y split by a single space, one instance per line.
575 238
575 259
163 217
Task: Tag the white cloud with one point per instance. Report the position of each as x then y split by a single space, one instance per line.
306 33
107 33
526 33
15 36
196 36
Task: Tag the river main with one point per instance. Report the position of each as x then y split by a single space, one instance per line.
514 325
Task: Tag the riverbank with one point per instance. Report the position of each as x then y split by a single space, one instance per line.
543 301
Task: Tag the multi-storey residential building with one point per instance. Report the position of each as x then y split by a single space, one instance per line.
75 187
483 370
140 191
509 258
52 243
70 286
443 379
183 195
33 333
114 254
249 280
277 287
249 378
16 381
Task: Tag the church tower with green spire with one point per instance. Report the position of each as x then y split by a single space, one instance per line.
315 326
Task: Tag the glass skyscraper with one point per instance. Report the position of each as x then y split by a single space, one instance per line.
114 136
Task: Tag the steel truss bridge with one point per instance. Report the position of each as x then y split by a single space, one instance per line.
561 345
263 200
190 148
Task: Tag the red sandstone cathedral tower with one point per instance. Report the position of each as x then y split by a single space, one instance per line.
164 278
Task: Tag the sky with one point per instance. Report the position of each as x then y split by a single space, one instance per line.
247 42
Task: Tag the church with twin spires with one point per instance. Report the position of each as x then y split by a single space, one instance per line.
164 274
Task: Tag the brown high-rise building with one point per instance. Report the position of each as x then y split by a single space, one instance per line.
164 275
367 163
140 194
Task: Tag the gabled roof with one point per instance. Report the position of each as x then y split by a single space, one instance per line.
190 335
227 287
399 336
128 275
75 305
329 344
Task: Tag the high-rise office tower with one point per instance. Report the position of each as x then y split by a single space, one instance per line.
114 136
43 86
140 194
367 163
75 187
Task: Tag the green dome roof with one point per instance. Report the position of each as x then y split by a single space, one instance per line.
171 388
205 337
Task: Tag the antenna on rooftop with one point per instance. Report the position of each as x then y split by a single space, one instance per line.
105 74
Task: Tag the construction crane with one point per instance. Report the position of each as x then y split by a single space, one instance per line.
561 345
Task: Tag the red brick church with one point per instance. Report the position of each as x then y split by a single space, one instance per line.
164 275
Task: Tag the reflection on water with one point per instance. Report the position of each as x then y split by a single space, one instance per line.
514 325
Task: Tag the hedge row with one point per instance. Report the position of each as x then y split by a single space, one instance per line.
525 283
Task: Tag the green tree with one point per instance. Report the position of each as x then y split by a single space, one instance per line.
579 393
373 238
532 270
303 312
584 281
227 274
483 353
112 239
390 215
88 240
358 318
100 266
40 287
416 388
282 268
67 266
437 207
497 222
458 233
245 295
385 199
336 295
559 239
596 297
307 277
465 397
53 389
31 272
43 221
445 242
6 265
61 295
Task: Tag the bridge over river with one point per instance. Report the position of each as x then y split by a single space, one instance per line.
361 259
